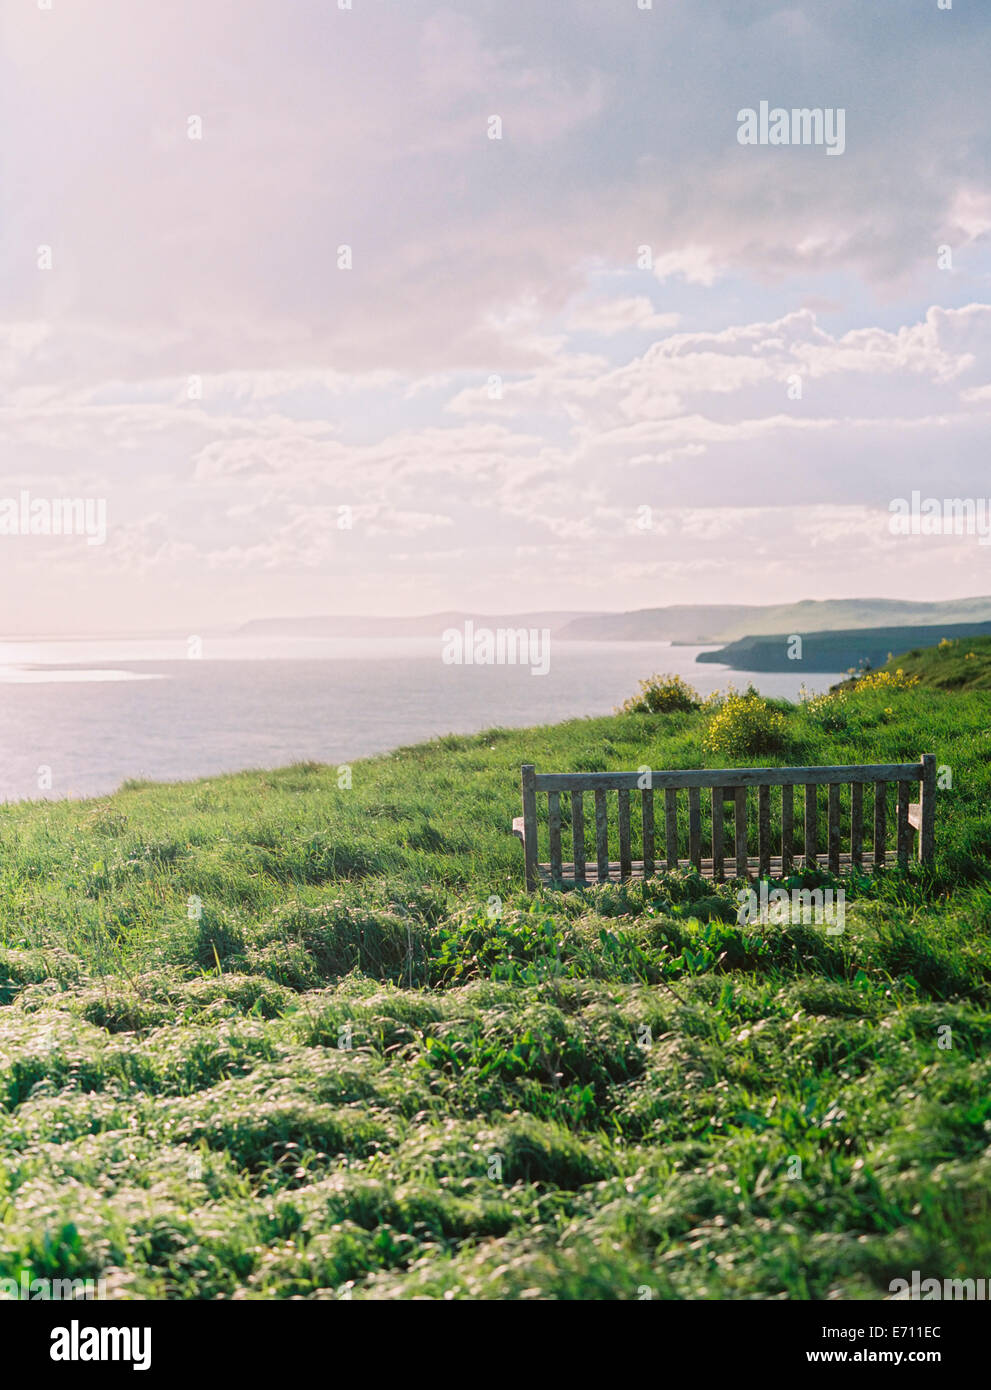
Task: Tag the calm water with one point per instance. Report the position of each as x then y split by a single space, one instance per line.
96 712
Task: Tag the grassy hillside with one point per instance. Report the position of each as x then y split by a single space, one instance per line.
960 664
836 651
260 1037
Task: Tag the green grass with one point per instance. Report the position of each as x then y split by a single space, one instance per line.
961 664
342 1073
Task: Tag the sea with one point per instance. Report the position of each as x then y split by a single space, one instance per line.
78 717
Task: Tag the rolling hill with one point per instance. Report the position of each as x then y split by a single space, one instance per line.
691 623
836 651
961 664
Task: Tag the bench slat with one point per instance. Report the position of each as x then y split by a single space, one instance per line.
578 836
787 829
671 826
811 826
732 777
647 816
904 829
554 831
717 834
880 823
624 833
695 827
601 835
529 826
763 831
857 824
740 846
833 842
927 809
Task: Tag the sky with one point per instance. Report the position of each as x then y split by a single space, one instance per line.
405 307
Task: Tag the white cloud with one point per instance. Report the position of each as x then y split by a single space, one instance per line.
695 264
608 316
478 262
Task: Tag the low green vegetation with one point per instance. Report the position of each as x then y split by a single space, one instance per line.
852 649
274 1035
744 726
662 695
959 663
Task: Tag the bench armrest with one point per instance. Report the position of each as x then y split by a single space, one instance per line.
518 830
915 815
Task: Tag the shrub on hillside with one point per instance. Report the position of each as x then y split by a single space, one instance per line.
662 695
744 726
885 680
831 712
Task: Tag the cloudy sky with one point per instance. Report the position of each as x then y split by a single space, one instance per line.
561 369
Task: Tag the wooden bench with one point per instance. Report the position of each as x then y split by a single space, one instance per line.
687 828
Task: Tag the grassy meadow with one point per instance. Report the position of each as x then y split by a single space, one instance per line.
271 1036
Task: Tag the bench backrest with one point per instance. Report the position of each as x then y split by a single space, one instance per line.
729 785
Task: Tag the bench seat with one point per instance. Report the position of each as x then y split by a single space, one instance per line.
636 869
